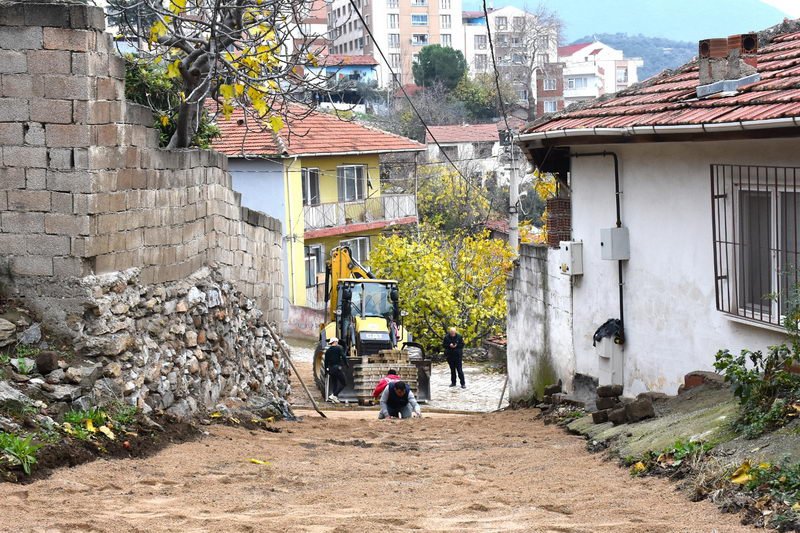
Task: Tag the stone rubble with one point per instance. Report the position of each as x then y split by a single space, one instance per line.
178 348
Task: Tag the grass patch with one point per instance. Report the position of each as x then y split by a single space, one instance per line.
18 451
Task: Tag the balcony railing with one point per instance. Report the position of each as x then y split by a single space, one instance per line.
386 207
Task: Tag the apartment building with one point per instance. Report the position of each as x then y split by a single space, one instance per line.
523 44
594 69
401 28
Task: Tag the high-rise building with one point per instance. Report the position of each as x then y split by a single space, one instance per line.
401 28
594 69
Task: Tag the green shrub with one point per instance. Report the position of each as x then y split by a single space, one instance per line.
18 451
78 418
782 483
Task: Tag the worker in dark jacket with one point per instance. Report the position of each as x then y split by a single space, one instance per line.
335 363
397 401
453 345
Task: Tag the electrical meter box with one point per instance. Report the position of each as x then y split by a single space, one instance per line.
615 244
571 260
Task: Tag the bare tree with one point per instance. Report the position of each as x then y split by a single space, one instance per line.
238 53
525 46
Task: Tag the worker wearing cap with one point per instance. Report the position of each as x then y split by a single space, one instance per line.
335 362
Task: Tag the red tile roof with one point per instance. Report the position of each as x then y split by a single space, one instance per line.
464 133
339 59
357 227
670 99
564 51
315 134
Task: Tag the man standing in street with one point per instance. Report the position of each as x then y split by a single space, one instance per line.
397 401
335 362
453 345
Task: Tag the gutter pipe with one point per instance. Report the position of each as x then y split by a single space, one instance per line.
617 194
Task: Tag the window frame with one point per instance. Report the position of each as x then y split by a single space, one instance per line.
356 251
359 178
305 177
549 84
420 18
393 21
314 253
553 104
416 42
480 42
446 40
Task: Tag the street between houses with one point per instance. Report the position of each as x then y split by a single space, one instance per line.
491 472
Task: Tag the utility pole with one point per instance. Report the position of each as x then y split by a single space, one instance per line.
513 194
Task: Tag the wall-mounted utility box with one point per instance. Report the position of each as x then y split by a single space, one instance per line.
571 260
615 244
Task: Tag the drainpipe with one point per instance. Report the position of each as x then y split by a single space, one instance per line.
617 194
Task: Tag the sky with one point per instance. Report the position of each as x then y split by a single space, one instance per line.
682 20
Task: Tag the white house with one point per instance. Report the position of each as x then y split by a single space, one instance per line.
594 69
472 147
701 250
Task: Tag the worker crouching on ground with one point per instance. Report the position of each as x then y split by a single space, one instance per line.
397 401
335 361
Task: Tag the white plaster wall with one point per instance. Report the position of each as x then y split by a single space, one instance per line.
672 325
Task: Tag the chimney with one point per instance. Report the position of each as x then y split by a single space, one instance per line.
727 64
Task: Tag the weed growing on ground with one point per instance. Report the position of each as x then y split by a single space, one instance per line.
18 451
80 417
767 389
123 414
777 488
26 351
4 358
23 367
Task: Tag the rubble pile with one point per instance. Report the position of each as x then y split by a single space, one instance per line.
612 408
176 348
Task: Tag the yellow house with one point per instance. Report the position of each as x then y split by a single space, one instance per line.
320 176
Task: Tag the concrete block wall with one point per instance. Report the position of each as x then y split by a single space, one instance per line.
84 187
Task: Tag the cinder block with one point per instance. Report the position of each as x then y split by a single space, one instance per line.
26 200
22 86
21 222
36 178
75 181
110 89
104 263
61 202
11 134
32 265
67 135
68 39
88 17
12 62
14 110
69 267
43 14
80 203
12 15
12 244
12 178
50 244
25 156
59 224
34 133
105 135
3 200
78 246
51 111
49 62
21 38
69 87
60 158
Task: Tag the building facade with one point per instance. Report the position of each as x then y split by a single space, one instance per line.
594 69
320 176
401 27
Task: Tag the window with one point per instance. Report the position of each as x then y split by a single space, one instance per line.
392 4
501 23
394 21
394 60
756 225
577 83
517 59
518 22
419 39
315 264
516 41
480 62
419 20
447 40
550 106
351 182
503 39
543 42
482 150
394 40
445 22
415 58
450 151
310 177
444 4
542 59
360 42
359 248
418 3
522 94
622 75
480 42
549 84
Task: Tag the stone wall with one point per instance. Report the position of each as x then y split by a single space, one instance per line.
539 328
84 188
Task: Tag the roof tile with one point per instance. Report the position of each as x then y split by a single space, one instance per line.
464 133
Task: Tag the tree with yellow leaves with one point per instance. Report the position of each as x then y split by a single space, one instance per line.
239 53
448 201
447 278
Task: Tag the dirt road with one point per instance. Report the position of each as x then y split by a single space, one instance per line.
351 473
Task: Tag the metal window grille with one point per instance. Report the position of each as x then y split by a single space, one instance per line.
756 227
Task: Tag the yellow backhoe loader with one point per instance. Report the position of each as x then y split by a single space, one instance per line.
364 314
